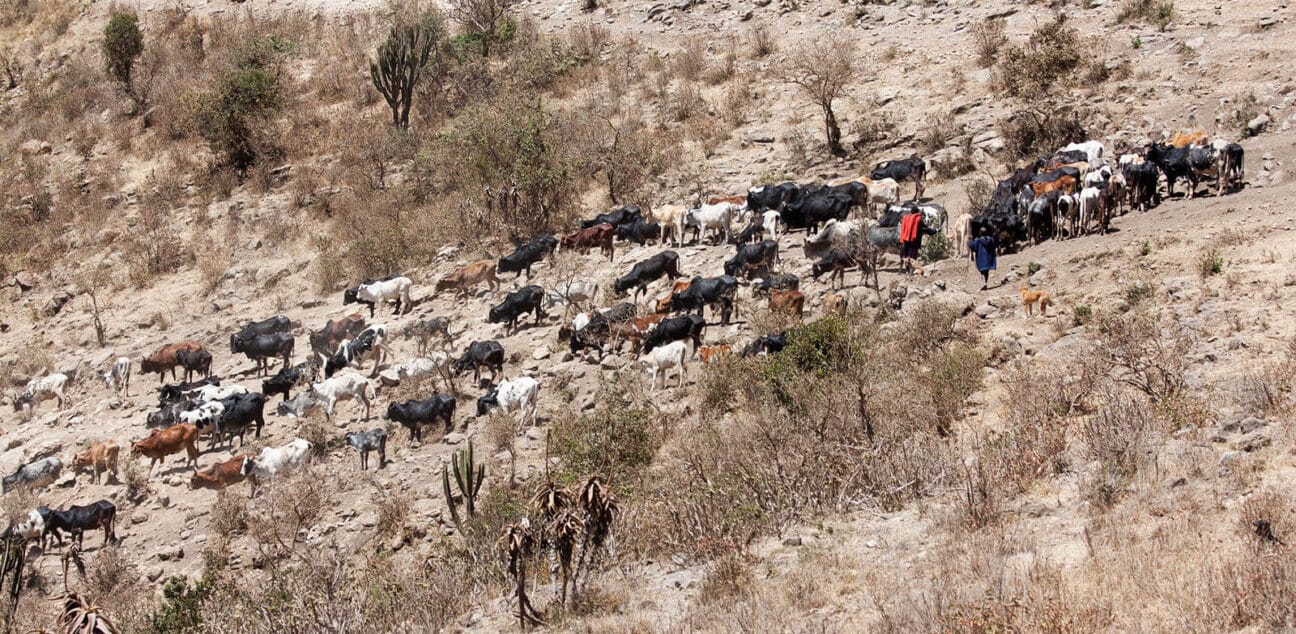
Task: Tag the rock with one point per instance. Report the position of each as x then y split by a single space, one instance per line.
542 352
792 541
1257 125
388 378
138 517
1264 23
1230 458
24 280
155 574
1254 441
169 554
164 499
1196 42
872 543
35 146
453 438
1173 483
56 303
984 311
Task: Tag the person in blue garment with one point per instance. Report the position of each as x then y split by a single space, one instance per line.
982 251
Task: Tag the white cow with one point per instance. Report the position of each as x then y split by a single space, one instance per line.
342 387
718 217
671 219
770 222
1097 177
885 191
40 390
1090 198
396 289
663 358
275 461
208 393
118 376
438 363
521 395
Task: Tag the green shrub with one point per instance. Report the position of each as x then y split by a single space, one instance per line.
1158 13
123 43
234 114
616 440
935 249
1138 292
1081 314
181 610
1210 263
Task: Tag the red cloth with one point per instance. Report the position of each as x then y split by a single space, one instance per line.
909 227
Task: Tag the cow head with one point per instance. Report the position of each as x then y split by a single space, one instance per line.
349 296
490 398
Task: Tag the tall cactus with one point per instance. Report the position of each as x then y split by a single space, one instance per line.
469 477
400 61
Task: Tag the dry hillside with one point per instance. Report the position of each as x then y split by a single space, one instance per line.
932 460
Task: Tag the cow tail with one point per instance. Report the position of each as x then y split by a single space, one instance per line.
369 391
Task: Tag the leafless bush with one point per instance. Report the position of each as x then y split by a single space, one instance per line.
690 61
939 131
589 39
685 102
229 515
1040 128
285 508
728 578
1148 354
990 37
823 71
762 42
1158 13
873 130
393 508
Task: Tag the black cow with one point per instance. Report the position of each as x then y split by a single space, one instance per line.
675 329
1232 167
646 272
192 361
1052 175
639 232
1008 229
173 392
481 353
414 414
1063 158
901 170
1039 216
777 282
276 324
769 344
517 304
813 209
169 413
623 216
79 519
287 378
710 291
753 232
367 441
835 263
1181 162
262 348
751 257
771 196
1141 181
241 410
520 260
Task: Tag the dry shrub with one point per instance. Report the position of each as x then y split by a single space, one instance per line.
762 42
872 131
286 507
1121 437
588 40
617 440
135 476
728 579
1158 13
685 102
229 515
393 508
322 435
939 131
1148 352
1047 60
990 37
1267 392
690 61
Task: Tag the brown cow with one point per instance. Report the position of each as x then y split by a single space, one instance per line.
1065 184
1185 139
599 235
100 457
468 276
633 330
220 475
834 304
164 358
663 304
164 442
324 342
737 200
790 302
713 353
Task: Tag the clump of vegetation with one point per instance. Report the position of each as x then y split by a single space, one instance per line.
1047 60
617 439
990 37
1209 263
122 45
1041 128
399 65
822 71
1158 13
234 114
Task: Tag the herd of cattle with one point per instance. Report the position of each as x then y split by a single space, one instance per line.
1061 194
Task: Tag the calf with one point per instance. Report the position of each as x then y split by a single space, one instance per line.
414 414
164 442
663 305
1232 168
262 348
901 170
521 394
299 406
520 261
195 361
488 354
776 282
834 304
79 519
1141 179
671 220
41 389
583 240
469 275
286 379
790 302
371 343
665 357
708 292
835 263
713 353
219 475
752 257
675 329
882 192
118 376
646 272
393 289
324 342
164 359
32 527
343 387
275 461
769 344
33 475
424 331
517 304
367 441
100 458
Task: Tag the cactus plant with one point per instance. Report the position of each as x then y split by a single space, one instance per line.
399 64
468 476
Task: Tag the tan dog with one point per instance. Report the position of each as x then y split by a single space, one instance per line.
1030 298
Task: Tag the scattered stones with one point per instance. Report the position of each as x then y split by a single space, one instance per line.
1257 125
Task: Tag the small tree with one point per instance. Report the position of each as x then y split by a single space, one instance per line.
123 43
822 72
482 18
400 62
234 114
